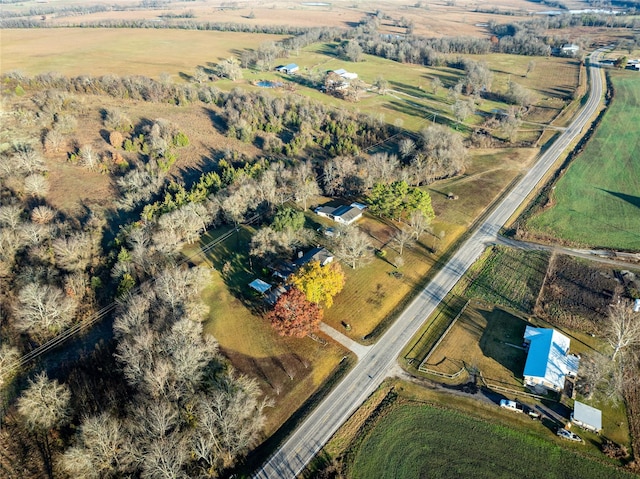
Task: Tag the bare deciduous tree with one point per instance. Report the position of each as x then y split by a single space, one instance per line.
27 160
54 141
380 168
11 216
354 247
101 451
406 147
36 185
304 184
8 357
88 157
622 328
45 403
43 311
73 253
43 214
403 237
419 223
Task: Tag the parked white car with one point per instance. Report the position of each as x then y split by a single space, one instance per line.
511 405
566 434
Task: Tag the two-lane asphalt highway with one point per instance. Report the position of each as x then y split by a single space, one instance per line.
305 442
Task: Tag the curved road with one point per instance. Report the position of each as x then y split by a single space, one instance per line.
305 442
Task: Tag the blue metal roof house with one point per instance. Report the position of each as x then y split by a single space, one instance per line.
548 362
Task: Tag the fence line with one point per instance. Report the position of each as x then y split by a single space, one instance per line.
440 374
446 331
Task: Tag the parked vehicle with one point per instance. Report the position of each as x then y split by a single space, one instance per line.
329 232
570 436
511 405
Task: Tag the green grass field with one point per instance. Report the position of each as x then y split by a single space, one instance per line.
508 277
479 338
416 441
597 201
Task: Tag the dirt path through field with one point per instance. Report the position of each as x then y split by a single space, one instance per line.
601 256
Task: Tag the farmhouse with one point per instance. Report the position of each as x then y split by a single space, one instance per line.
586 417
548 362
345 74
285 269
344 214
288 69
319 254
569 50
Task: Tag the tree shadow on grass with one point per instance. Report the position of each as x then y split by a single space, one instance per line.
503 330
631 199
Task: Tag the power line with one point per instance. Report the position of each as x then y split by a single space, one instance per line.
102 313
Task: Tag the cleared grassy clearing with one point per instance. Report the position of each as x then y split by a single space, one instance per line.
597 201
288 370
411 99
481 338
486 176
415 439
508 277
99 51
552 79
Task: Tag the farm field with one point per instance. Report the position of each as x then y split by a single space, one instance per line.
411 101
597 201
508 277
414 439
121 51
434 19
577 293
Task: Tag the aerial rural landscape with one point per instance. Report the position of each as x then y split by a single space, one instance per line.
342 239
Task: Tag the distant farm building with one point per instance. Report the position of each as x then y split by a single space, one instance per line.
345 214
341 72
548 363
586 417
569 50
288 69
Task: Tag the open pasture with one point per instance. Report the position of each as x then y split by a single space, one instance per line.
121 51
597 201
416 440
432 19
483 337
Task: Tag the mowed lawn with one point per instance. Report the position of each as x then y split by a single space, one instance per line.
481 338
121 51
597 201
416 441
288 370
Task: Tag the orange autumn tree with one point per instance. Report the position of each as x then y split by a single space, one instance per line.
319 283
294 315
